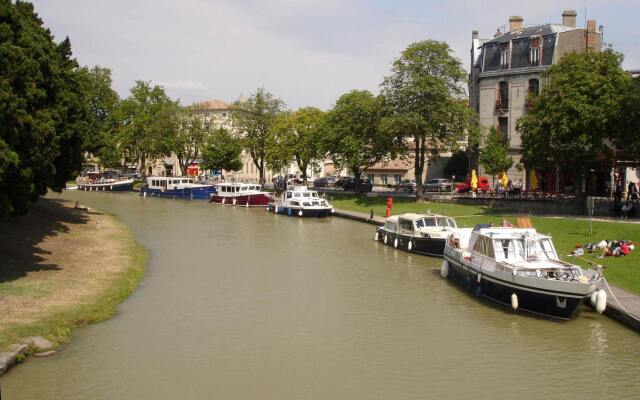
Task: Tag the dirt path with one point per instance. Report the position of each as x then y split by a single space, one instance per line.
62 267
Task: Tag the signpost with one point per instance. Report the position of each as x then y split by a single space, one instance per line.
590 206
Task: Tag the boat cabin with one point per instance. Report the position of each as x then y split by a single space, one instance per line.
231 189
416 223
302 197
168 182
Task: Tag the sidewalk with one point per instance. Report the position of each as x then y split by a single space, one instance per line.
630 302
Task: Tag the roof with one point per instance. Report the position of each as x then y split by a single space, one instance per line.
414 216
528 31
213 104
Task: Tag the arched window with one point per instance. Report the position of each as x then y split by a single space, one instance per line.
534 87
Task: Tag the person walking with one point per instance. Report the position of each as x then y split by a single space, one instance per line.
617 192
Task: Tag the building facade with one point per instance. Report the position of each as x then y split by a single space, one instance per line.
507 71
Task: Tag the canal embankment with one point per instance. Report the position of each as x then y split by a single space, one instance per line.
622 305
62 268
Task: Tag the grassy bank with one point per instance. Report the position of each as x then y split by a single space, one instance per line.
567 232
63 268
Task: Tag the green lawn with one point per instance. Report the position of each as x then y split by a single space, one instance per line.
567 232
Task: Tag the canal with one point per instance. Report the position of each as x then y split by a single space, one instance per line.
241 304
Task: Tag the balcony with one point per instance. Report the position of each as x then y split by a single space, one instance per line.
502 106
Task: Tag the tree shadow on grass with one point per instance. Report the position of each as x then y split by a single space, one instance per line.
21 237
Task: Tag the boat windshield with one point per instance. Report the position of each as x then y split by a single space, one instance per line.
425 222
526 249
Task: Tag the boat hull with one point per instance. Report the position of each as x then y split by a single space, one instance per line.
295 212
196 193
123 186
420 245
544 302
254 200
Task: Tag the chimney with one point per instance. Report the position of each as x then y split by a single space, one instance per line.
474 35
569 18
515 23
498 33
594 38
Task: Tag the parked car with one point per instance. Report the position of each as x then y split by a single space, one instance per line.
406 185
350 184
483 185
438 185
325 181
341 180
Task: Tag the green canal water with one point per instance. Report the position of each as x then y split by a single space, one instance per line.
241 304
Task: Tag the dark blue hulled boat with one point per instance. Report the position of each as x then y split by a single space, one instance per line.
176 187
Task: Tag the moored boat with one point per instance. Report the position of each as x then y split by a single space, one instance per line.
302 202
242 194
520 268
103 182
418 233
175 187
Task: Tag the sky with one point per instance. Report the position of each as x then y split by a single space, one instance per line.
307 53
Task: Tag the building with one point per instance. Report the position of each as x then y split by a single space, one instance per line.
506 71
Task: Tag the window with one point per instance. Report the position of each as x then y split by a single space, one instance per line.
502 102
535 52
370 177
503 127
383 179
406 225
397 178
505 55
429 222
534 87
289 195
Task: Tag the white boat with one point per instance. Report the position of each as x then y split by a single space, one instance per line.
103 182
520 268
302 202
418 233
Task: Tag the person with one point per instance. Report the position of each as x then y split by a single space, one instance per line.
617 192
626 209
634 191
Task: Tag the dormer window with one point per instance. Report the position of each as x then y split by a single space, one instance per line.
505 55
535 52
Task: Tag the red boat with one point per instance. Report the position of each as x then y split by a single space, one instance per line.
241 194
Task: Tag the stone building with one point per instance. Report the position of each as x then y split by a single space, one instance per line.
506 71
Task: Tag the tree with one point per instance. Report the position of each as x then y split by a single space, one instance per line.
494 156
574 117
222 151
297 137
627 133
458 164
190 137
354 136
101 101
254 117
424 94
148 121
43 120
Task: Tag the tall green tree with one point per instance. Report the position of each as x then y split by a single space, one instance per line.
254 118
574 117
222 151
148 122
43 120
423 94
627 133
355 138
297 137
494 155
101 101
190 136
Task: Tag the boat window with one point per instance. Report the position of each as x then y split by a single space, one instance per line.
185 181
306 194
190 180
307 203
294 203
452 223
314 194
509 250
429 221
390 226
442 221
288 195
420 224
406 225
483 246
547 248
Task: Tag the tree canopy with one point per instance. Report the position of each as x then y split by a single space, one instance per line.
222 151
494 156
573 119
148 123
254 117
354 136
191 135
424 94
43 120
297 137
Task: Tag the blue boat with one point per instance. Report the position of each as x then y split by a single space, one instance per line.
176 187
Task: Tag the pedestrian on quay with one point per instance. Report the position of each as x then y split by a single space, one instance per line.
617 192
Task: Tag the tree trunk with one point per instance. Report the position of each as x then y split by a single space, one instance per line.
303 168
143 167
357 173
261 170
419 165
